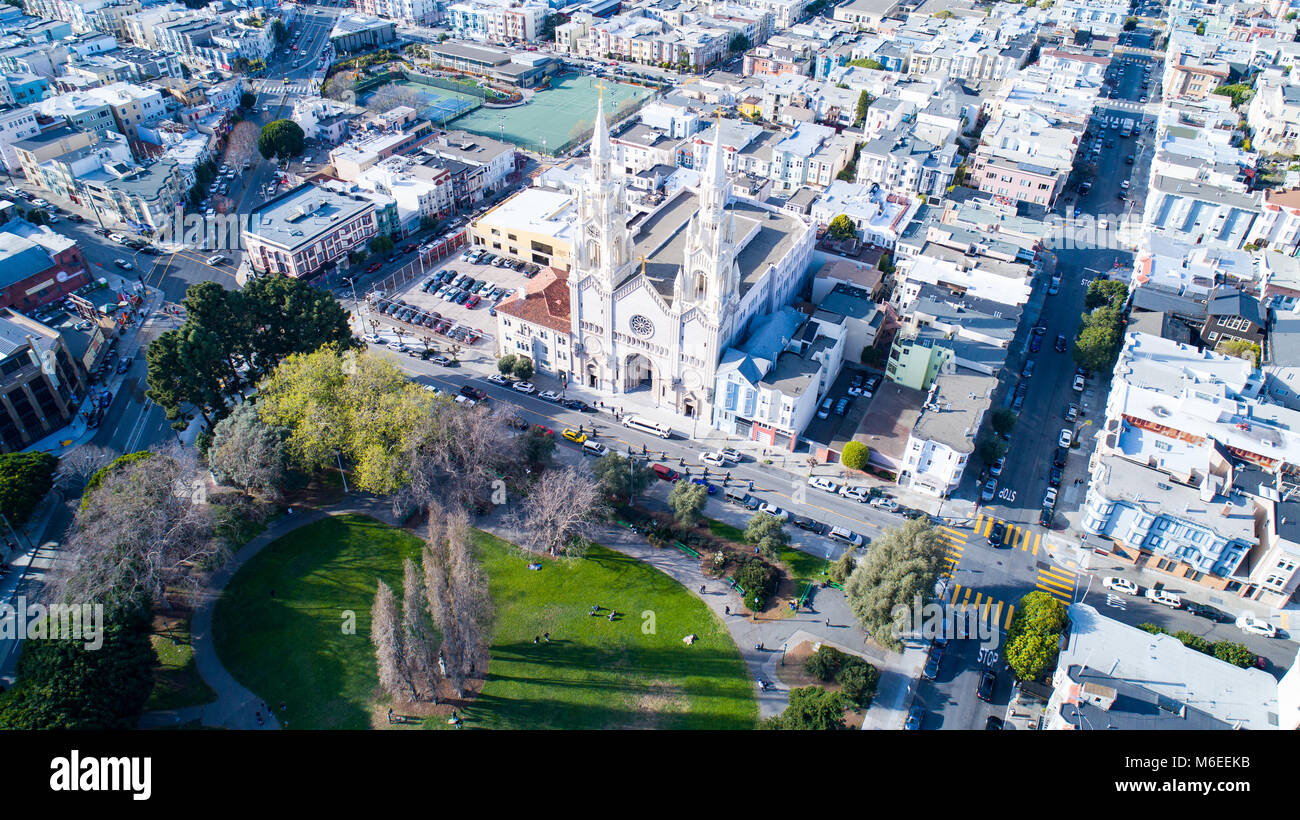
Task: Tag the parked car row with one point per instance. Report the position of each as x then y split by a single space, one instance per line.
464 289
400 311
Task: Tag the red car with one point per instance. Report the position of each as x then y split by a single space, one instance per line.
473 302
374 266
410 248
665 472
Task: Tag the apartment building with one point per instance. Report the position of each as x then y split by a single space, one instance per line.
305 229
41 382
38 267
17 122
416 12
535 225
880 217
1024 157
903 163
536 323
1274 114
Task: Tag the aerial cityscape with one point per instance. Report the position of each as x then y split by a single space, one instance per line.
649 364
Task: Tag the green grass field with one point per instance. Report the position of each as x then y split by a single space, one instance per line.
634 672
177 683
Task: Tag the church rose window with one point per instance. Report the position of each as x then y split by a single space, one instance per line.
642 326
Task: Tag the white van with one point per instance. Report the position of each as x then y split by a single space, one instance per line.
845 536
647 426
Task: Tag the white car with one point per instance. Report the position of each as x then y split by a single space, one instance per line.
549 395
1247 622
525 387
823 483
1079 384
858 494
713 460
216 260
1123 585
774 511
1049 499
1066 437
398 346
886 504
374 338
733 456
497 378
117 237
1169 599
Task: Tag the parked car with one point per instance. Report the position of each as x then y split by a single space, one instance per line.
990 489
1049 499
1157 595
1060 343
1079 384
1058 458
1072 412
858 494
1214 615
1045 518
995 469
931 670
823 483
914 717
988 682
824 412
1117 584
1066 437
1247 622
549 395
803 522
775 511
1054 476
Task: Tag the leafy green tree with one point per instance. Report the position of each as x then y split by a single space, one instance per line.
1002 420
61 684
25 478
767 532
824 663
380 245
1130 23
506 364
1234 653
536 447
523 368
755 576
687 501
278 31
942 14
281 139
739 42
1100 292
247 100
342 404
248 453
990 449
811 708
858 681
1242 349
842 567
1100 338
1194 641
868 63
230 339
855 455
860 113
842 227
902 564
1034 637
621 477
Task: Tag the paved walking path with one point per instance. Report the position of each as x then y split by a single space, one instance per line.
827 618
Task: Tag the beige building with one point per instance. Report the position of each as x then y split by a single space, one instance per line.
301 232
535 225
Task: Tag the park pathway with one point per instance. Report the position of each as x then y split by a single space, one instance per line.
827 618
236 706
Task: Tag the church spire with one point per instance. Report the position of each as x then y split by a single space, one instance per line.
715 174
600 140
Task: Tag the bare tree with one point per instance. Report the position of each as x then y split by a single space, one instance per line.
458 597
455 455
386 635
147 528
417 634
241 143
560 512
78 465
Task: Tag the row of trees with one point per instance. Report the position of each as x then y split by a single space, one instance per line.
441 629
1237 654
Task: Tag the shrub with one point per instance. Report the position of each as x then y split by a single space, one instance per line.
858 680
824 663
1234 653
755 577
855 455
1192 641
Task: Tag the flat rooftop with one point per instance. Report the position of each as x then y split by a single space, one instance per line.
299 217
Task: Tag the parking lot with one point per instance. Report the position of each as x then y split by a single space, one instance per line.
455 302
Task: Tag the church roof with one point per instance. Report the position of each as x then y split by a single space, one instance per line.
543 301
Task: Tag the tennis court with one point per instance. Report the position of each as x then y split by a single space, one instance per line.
557 118
438 105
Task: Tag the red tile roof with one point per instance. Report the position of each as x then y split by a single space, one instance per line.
543 301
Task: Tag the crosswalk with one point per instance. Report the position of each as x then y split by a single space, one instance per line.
1061 583
1018 536
995 611
955 541
270 87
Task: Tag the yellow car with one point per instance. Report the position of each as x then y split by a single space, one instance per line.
574 435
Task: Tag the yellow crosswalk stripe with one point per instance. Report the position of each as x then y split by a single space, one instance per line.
1038 539
956 592
1011 610
967 598
1058 574
1057 592
988 526
1047 579
979 522
978 596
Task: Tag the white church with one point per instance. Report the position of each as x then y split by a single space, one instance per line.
655 297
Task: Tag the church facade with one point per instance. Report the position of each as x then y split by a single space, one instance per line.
657 296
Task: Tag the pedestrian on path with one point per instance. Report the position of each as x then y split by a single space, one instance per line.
828 621
726 610
546 636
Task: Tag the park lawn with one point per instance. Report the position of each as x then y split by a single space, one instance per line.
799 566
177 682
593 674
